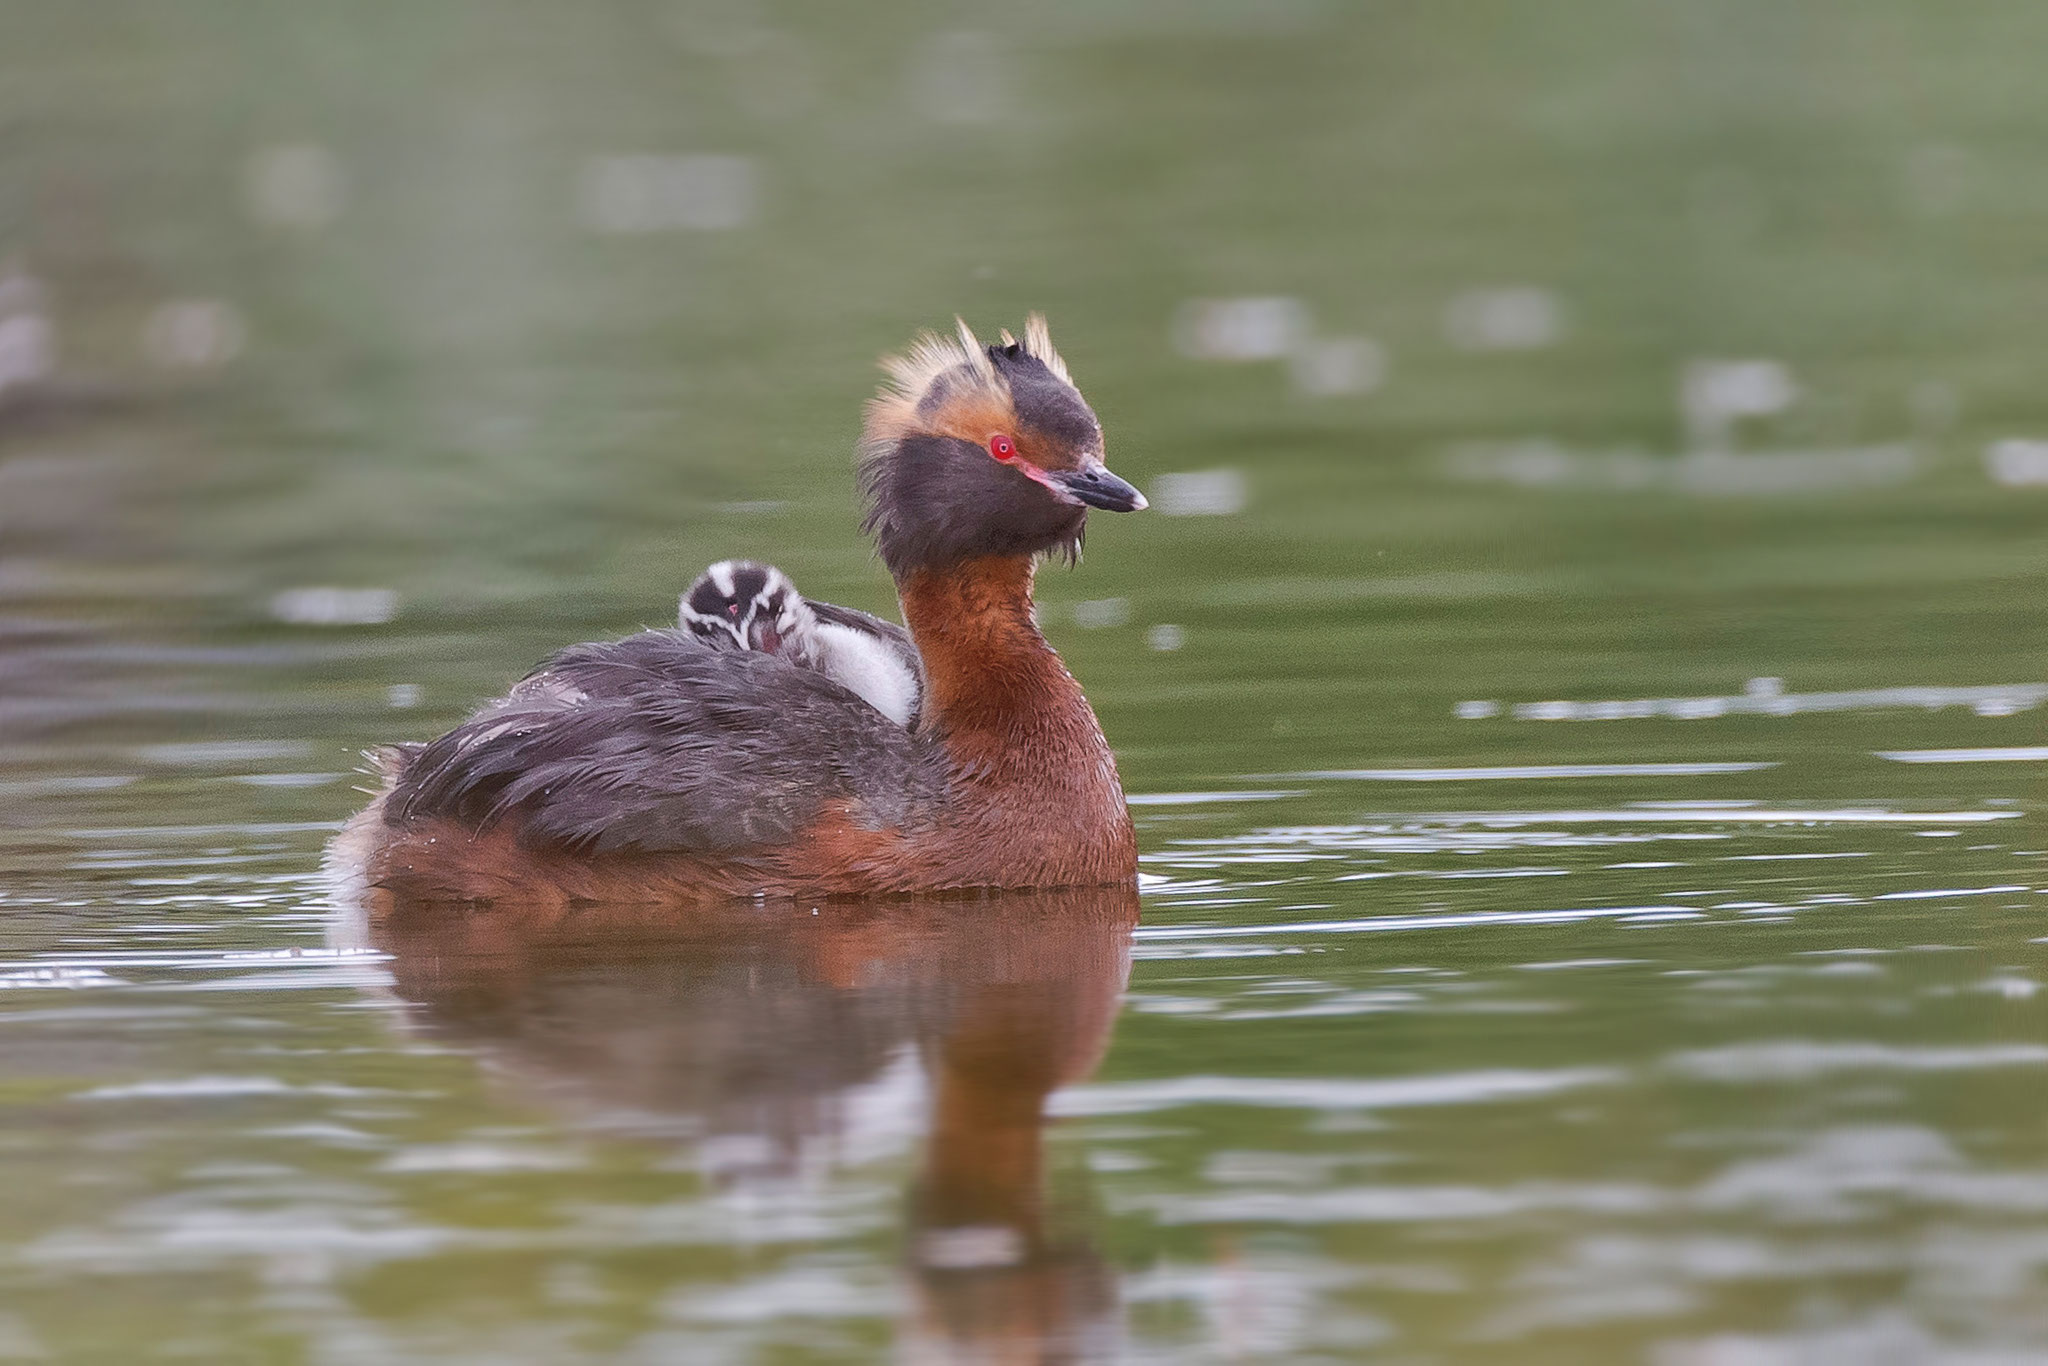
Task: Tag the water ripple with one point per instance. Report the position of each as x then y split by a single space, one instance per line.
1330 1093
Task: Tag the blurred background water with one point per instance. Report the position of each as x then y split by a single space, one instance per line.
1581 685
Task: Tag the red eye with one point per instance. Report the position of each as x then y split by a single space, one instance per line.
1001 447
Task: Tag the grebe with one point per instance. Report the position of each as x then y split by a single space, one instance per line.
655 768
741 604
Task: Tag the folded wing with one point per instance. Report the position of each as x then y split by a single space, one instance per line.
657 744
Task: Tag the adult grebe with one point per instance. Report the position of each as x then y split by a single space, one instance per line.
657 768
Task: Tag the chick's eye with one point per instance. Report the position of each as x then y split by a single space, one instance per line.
1001 447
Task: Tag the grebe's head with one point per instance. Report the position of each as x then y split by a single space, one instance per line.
739 604
975 450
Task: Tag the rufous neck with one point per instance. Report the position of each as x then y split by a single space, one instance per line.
985 662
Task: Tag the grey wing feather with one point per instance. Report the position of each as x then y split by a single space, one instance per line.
668 746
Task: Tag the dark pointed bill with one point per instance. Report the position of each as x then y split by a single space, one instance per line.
1098 488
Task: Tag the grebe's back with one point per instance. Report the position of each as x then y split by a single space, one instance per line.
669 746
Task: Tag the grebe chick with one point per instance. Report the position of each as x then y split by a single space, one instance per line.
656 770
742 604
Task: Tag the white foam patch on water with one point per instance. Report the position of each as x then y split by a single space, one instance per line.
175 958
1889 1336
1332 1093
330 1135
199 753
1616 1276
1766 697
1376 923
83 782
287 779
1539 462
1204 798
1748 816
1322 844
1502 831
1840 1173
59 978
218 1087
1390 1204
306 955
480 1157
181 1238
1535 771
2008 754
1336 1005
1788 1060
1171 952
346 971
1832 1177
800 1291
753 1213
251 830
1253 1304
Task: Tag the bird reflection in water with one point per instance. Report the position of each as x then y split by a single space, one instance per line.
753 1026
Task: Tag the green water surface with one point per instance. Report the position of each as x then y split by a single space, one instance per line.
1442 1036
